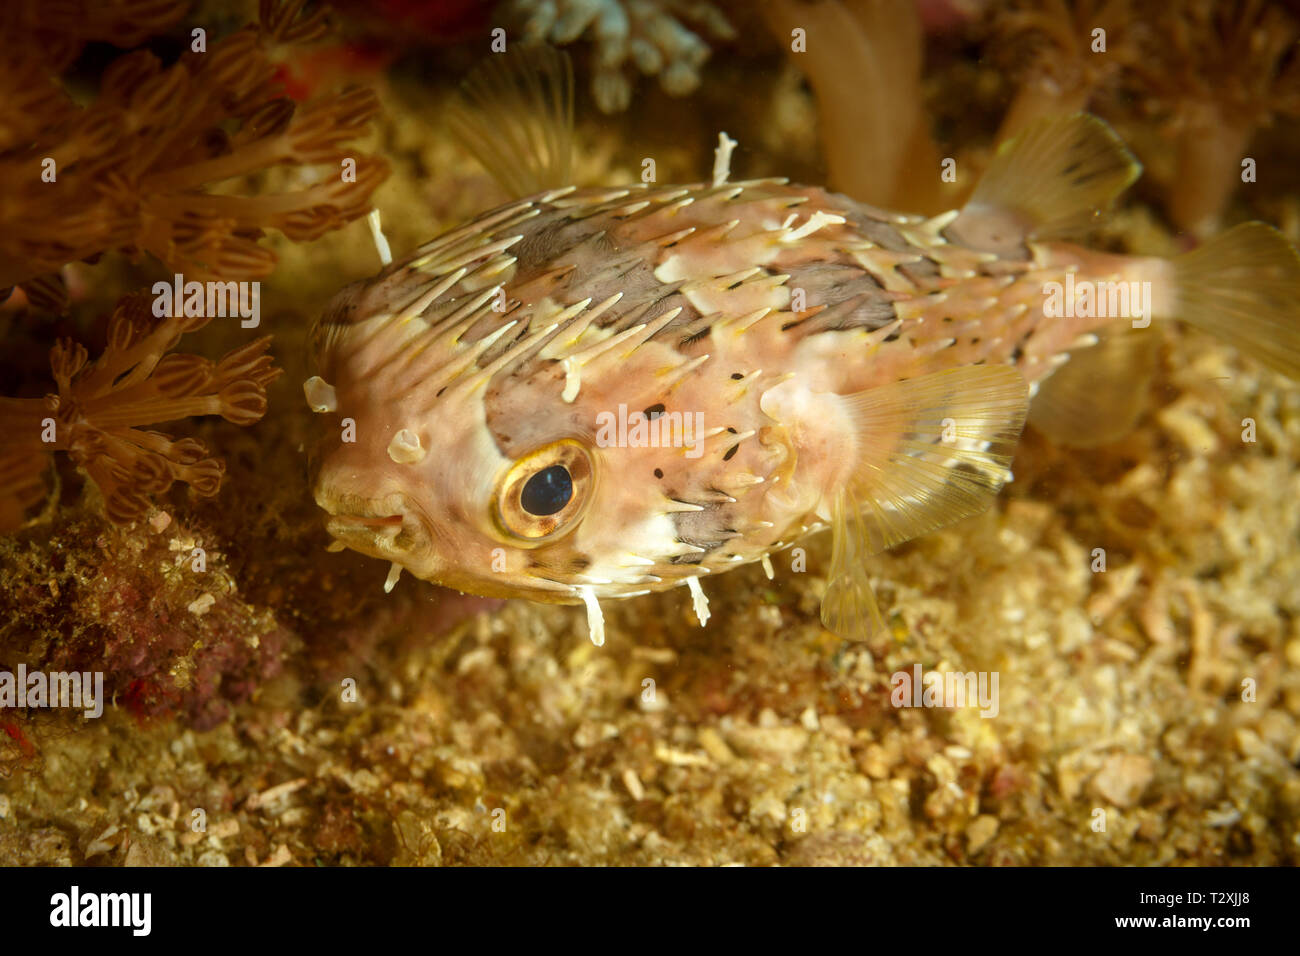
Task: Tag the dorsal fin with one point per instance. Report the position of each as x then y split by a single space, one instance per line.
515 114
1048 182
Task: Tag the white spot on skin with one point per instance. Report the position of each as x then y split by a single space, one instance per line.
405 448
595 619
394 573
320 395
700 602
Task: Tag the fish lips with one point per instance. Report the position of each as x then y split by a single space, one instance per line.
388 527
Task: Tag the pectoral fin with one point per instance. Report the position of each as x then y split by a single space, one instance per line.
849 606
929 451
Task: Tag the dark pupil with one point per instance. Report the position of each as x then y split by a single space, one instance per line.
547 491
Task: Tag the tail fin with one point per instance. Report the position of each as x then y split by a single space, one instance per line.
1244 287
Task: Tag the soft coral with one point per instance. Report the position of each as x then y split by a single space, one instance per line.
136 169
97 414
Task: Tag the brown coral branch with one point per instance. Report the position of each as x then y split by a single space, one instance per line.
866 75
1059 71
61 28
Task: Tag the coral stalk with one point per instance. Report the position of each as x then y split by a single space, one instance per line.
863 61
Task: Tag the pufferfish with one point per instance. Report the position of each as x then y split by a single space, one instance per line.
597 393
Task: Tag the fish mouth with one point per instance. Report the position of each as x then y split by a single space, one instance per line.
378 522
387 527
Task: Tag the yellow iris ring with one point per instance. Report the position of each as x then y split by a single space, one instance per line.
538 529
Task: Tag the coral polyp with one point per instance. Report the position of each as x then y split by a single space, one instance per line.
98 413
146 166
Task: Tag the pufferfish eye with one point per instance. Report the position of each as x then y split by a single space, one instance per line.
545 493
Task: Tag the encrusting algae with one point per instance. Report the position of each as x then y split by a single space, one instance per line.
1123 595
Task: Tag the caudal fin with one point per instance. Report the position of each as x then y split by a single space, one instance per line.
1244 287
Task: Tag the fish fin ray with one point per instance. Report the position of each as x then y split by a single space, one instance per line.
1100 393
1050 181
1243 286
849 606
934 449
514 113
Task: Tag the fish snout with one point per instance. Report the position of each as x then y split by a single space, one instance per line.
387 527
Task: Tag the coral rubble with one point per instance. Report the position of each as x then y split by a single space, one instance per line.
650 36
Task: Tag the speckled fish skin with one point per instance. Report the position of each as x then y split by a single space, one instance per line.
672 296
